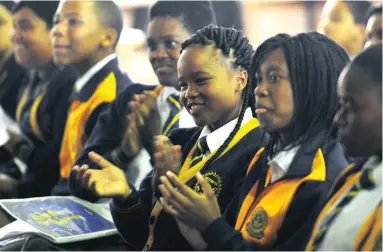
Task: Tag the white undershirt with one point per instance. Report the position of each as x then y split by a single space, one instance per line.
344 229
84 79
281 163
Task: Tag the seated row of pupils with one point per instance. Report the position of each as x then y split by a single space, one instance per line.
236 149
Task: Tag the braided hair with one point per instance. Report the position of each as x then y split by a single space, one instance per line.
314 63
237 48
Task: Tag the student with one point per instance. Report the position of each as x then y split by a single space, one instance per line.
357 195
374 26
84 36
170 23
213 75
277 210
344 22
42 103
11 74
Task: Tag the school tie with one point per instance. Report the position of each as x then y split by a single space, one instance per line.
365 182
173 119
199 151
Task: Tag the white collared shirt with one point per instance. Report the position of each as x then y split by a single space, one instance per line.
344 229
216 138
185 121
281 163
84 79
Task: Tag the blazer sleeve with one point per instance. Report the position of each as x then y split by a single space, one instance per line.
105 138
292 235
98 141
131 215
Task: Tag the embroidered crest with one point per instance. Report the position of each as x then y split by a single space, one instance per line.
258 223
214 180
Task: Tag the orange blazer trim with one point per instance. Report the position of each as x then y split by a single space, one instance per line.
347 185
260 219
79 112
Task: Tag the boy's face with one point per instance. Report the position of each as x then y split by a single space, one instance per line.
360 117
338 23
5 30
30 38
374 30
164 38
76 33
211 89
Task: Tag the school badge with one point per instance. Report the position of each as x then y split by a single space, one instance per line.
258 223
214 180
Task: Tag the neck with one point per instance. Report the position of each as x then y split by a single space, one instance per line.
4 57
286 138
227 117
82 67
46 71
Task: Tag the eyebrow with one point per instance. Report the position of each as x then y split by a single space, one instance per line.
194 74
274 68
70 14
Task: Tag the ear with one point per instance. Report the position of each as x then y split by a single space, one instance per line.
241 79
110 36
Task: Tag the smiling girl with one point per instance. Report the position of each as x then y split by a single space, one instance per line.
295 102
213 75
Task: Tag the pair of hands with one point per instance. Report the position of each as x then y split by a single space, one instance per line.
110 180
184 204
144 124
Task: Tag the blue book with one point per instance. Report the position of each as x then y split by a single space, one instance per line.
61 219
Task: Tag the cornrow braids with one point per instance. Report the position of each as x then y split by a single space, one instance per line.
238 49
314 63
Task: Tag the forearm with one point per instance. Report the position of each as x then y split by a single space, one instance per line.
131 217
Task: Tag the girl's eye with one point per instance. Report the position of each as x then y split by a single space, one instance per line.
274 78
74 21
201 81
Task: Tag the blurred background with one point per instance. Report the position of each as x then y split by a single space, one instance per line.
259 19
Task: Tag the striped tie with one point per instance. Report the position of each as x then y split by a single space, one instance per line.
173 119
365 182
199 151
